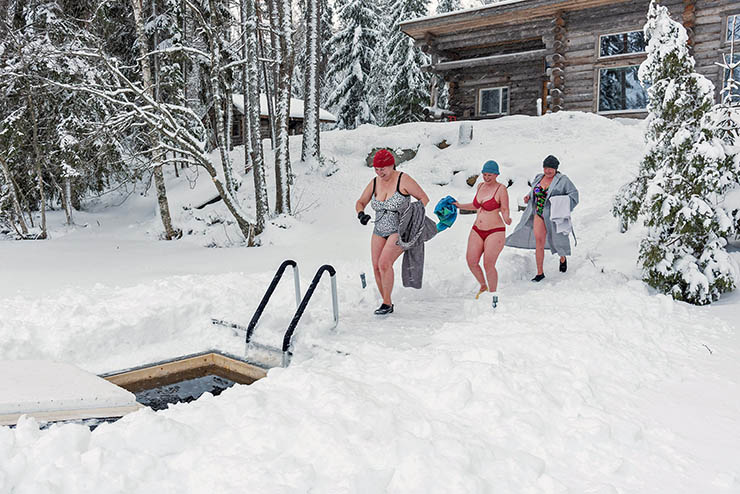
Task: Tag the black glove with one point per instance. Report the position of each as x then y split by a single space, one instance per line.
364 218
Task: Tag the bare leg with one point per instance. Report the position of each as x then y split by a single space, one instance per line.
376 247
540 232
493 246
388 256
472 256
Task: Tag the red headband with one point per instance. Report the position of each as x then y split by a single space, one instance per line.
383 158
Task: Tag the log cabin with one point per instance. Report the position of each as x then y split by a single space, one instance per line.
537 56
295 121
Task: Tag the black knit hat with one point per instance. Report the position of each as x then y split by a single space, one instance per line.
551 162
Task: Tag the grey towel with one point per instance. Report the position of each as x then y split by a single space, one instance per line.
414 229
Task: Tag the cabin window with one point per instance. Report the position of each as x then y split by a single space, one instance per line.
236 128
735 65
493 101
732 33
620 90
614 45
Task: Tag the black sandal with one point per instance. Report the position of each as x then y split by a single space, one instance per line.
564 265
384 309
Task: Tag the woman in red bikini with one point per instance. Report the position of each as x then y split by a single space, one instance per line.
488 235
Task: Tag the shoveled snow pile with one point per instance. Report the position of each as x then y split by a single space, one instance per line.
587 382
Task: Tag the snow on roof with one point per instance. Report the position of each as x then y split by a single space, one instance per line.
28 386
296 108
461 11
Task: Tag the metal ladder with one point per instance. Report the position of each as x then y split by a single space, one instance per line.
286 352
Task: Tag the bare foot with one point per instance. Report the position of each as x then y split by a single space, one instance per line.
483 289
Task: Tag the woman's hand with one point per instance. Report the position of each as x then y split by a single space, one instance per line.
526 199
507 220
456 204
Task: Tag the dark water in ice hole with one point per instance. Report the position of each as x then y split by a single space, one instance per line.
183 391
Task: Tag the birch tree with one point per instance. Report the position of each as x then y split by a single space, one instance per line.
164 209
282 25
254 158
310 146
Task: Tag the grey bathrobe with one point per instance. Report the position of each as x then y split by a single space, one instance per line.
414 229
523 235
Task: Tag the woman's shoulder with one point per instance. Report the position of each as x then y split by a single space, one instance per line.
405 178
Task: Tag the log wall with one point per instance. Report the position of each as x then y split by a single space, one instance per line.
569 71
524 80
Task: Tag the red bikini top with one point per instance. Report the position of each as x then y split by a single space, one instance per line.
490 205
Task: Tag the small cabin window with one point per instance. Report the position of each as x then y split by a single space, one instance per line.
614 45
620 90
732 33
493 101
735 66
236 128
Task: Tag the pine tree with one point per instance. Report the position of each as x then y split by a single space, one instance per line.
352 50
327 32
443 95
688 168
444 6
409 84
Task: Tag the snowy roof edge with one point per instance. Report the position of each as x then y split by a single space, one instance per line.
296 108
459 12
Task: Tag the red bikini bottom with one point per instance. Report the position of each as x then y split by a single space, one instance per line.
483 234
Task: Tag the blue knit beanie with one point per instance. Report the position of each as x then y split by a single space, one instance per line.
490 166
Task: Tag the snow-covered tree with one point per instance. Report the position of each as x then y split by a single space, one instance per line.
251 118
408 88
689 166
281 19
352 51
444 6
327 32
310 148
443 92
170 232
48 150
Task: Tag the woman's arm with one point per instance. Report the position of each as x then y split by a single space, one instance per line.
411 187
572 192
367 194
468 206
504 201
465 207
534 183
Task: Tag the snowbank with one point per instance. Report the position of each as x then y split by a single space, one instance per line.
587 382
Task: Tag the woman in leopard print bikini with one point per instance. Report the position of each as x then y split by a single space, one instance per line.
388 194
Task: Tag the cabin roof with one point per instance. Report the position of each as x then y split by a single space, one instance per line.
296 108
499 13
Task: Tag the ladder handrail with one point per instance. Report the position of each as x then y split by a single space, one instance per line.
287 339
266 298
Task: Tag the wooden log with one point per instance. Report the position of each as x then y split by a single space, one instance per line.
486 37
491 60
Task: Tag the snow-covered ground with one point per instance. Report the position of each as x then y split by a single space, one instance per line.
585 383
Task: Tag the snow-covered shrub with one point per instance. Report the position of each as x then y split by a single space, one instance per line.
689 166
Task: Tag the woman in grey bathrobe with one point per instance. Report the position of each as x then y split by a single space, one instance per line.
536 230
